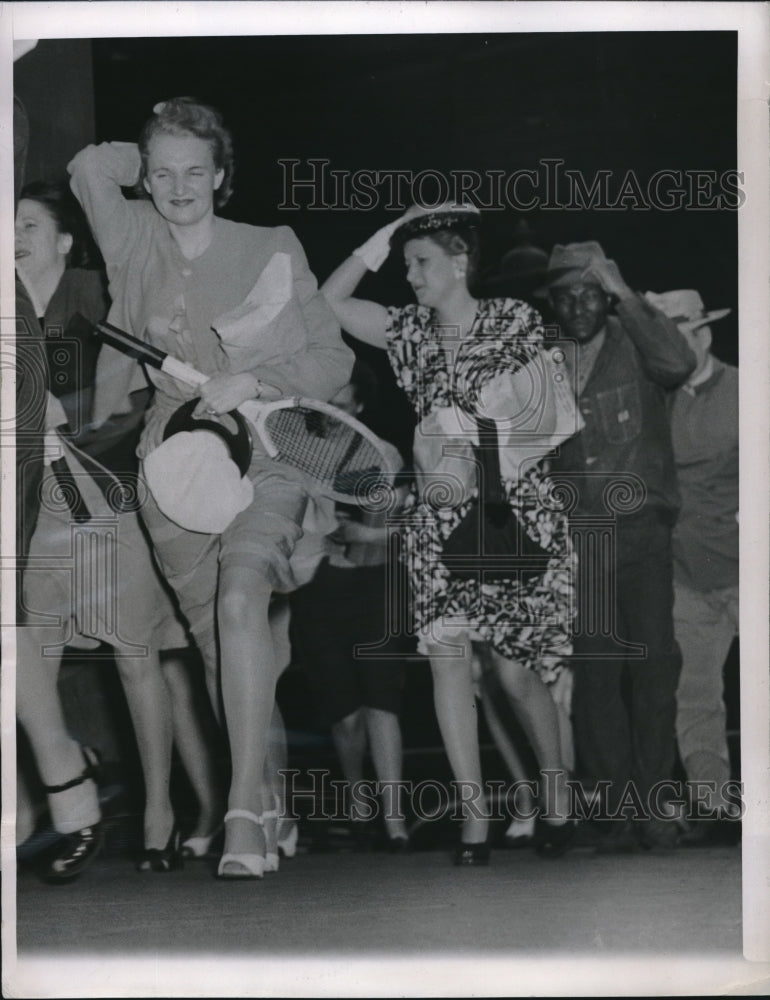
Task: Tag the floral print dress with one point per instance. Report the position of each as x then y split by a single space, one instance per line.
527 621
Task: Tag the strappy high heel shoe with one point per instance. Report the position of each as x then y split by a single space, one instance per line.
75 852
252 866
165 859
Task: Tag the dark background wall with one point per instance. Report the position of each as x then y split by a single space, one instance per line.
647 101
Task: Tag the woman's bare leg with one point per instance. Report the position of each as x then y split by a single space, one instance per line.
58 757
386 748
149 704
349 738
276 761
516 769
455 704
248 674
536 710
194 749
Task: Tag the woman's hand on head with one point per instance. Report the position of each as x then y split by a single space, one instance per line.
223 393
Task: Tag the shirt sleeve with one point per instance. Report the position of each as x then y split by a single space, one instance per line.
665 354
324 366
97 175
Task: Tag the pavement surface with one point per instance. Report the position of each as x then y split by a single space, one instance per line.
365 924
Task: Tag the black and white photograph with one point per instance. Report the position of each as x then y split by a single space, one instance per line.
385 499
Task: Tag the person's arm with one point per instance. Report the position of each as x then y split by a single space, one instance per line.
666 357
364 320
97 175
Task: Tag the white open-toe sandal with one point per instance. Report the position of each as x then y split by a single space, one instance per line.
247 866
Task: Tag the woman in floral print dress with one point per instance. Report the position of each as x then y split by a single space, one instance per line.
443 351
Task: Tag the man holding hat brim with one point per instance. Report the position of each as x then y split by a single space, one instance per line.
704 430
624 355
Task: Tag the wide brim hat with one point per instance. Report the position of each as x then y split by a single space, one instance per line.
569 263
685 307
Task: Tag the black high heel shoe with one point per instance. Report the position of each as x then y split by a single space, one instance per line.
166 859
468 855
554 840
75 851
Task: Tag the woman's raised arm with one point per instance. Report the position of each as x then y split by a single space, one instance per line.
97 175
367 321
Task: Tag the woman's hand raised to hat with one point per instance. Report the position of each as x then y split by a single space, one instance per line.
375 251
223 393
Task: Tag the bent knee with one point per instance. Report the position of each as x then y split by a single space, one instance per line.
239 606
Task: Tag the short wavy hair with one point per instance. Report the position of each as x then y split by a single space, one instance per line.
185 116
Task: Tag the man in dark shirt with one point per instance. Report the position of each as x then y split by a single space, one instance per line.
620 472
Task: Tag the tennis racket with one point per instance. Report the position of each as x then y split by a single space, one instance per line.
339 452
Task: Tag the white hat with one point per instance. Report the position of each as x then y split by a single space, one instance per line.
685 307
194 476
196 483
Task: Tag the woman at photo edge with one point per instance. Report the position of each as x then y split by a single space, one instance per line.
441 250
176 271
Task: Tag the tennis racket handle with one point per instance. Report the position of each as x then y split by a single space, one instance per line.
182 372
149 355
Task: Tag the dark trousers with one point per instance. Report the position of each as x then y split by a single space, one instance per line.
624 698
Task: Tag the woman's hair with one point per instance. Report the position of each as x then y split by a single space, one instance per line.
455 237
65 211
185 116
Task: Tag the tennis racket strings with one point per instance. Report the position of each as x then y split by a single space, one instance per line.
326 448
324 443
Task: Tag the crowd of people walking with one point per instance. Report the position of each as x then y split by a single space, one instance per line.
567 517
